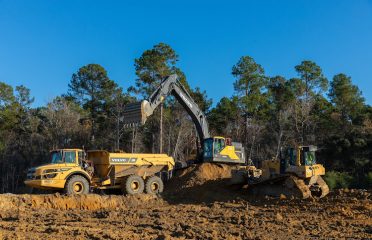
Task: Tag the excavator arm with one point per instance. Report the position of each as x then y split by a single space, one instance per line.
137 113
215 149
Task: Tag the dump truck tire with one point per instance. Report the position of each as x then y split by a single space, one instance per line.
133 184
77 185
154 185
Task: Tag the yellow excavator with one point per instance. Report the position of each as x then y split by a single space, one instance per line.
295 173
215 149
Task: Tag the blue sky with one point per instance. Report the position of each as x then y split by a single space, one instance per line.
43 42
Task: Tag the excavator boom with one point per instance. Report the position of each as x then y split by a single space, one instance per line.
137 113
215 149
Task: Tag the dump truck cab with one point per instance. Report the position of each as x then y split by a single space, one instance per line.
62 164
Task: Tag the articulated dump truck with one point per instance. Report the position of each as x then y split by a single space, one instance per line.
78 172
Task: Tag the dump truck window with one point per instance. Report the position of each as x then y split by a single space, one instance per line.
70 157
80 157
56 157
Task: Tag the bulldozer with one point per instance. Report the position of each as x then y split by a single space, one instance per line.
214 149
295 173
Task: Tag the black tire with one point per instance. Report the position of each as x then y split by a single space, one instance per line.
77 185
133 184
154 185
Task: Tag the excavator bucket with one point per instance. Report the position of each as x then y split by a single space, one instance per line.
135 114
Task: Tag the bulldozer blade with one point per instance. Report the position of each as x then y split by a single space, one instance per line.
136 114
318 186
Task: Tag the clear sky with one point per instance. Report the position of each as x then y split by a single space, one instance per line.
43 42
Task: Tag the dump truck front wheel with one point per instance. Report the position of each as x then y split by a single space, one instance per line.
133 184
154 185
77 185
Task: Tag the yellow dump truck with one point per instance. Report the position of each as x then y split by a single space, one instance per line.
78 172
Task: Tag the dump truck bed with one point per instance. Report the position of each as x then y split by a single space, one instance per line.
116 165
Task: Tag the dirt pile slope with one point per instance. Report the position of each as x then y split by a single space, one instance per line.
199 174
205 183
11 202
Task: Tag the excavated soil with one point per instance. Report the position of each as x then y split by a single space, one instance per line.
198 204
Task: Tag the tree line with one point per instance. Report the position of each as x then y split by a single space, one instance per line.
265 113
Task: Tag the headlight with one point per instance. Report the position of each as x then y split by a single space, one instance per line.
50 170
52 175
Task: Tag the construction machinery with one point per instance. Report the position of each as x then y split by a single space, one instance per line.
215 149
78 172
295 173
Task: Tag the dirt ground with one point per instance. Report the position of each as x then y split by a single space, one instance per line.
198 204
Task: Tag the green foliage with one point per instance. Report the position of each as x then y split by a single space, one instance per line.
338 179
6 94
153 65
369 180
346 97
92 89
281 92
312 77
249 85
23 96
200 97
223 118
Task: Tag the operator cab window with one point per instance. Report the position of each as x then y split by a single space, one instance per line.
219 145
310 158
208 148
56 157
292 156
70 157
80 157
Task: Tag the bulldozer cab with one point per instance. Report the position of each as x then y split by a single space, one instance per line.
297 157
302 156
308 157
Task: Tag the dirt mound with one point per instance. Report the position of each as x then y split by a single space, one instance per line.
203 183
199 174
9 202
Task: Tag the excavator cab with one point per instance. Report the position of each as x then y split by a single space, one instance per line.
223 150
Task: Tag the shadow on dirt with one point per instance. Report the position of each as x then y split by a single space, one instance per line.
220 191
